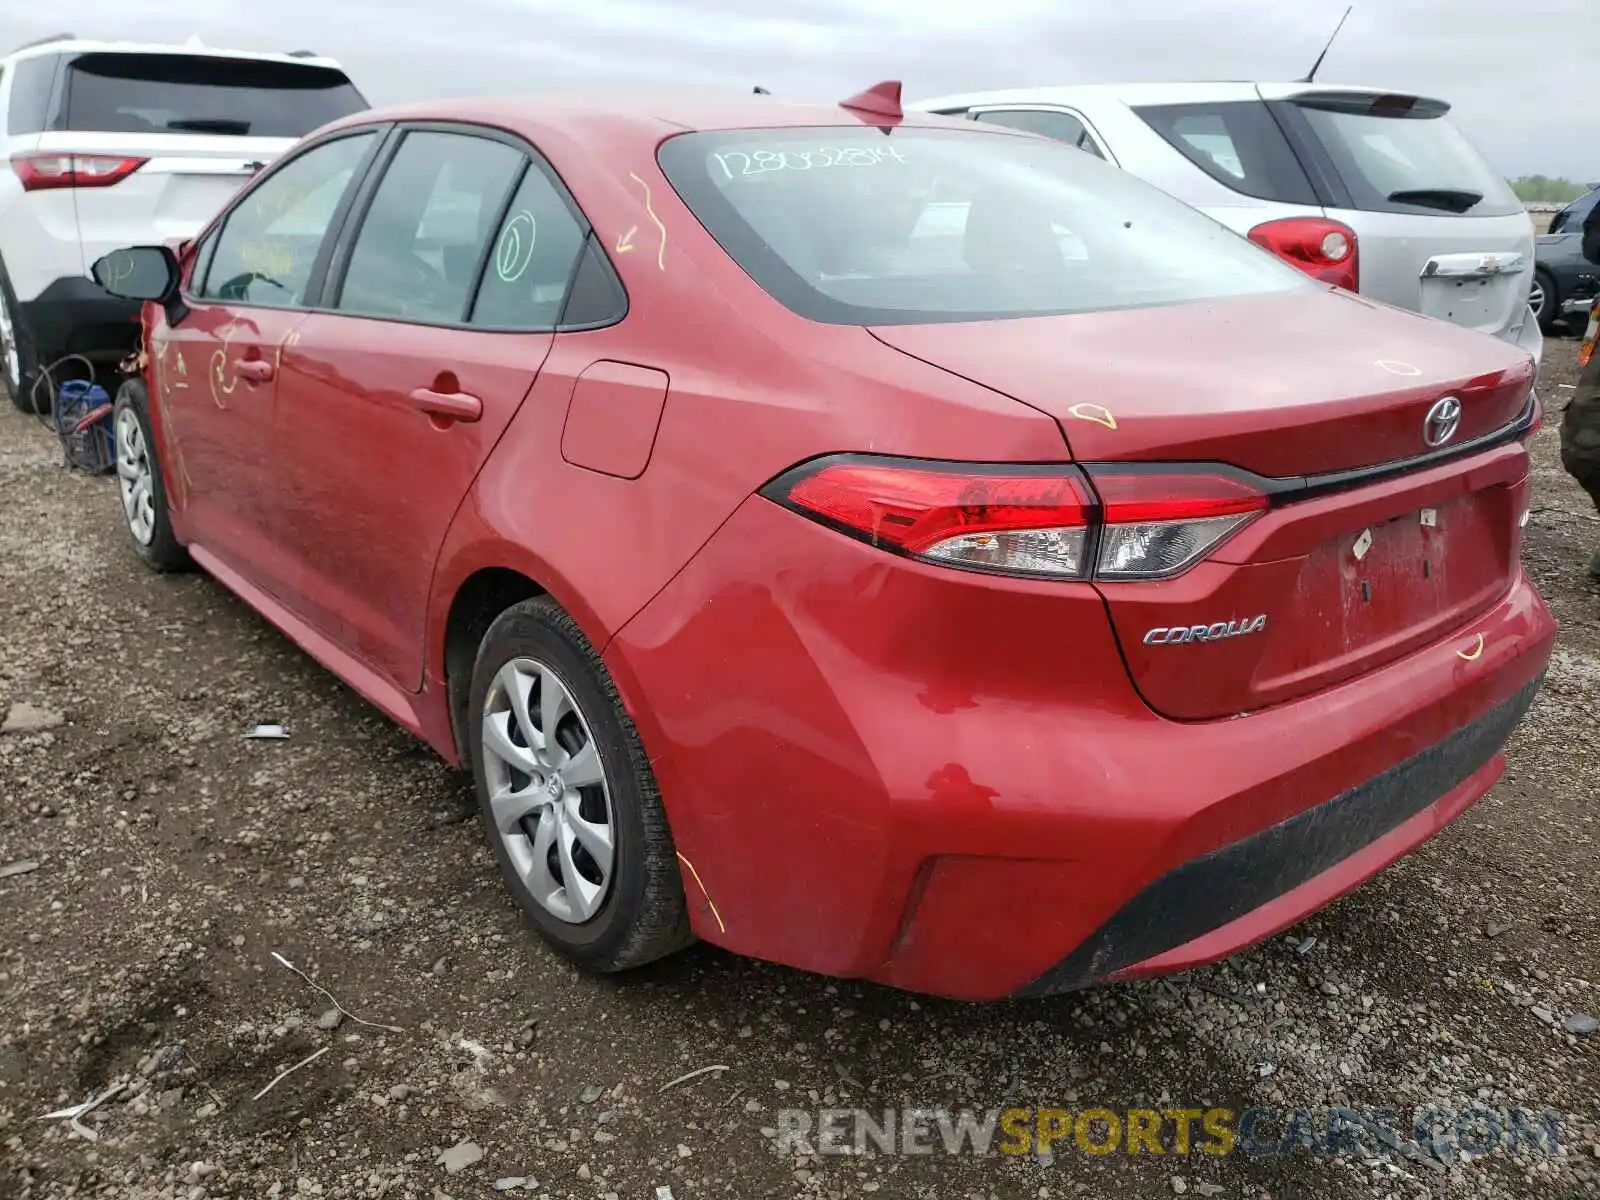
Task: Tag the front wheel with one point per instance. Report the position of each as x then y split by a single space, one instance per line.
1545 300
139 482
567 796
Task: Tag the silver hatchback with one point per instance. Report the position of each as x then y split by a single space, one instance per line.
1375 191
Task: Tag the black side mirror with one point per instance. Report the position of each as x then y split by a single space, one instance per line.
139 273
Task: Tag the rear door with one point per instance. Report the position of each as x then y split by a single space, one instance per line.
439 311
1439 231
173 136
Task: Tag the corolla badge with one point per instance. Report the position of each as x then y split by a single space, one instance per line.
1442 421
1179 635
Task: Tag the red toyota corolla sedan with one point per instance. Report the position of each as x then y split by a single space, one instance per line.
893 546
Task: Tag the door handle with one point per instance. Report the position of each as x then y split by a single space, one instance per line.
455 406
257 370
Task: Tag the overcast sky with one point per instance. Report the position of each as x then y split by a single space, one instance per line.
1523 85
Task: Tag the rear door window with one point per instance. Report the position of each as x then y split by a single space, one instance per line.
425 234
1398 154
1237 143
1064 127
191 93
534 256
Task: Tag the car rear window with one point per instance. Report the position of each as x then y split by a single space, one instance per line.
1401 154
1237 143
190 93
861 226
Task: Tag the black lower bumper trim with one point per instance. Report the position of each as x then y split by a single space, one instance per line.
1207 893
78 316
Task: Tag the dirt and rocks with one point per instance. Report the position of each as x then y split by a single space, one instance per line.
168 888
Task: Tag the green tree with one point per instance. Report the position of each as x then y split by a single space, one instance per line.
1541 189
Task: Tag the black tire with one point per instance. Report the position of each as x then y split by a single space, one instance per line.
1548 313
642 916
163 551
20 388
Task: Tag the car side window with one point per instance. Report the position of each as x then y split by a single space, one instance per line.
1570 219
424 236
1063 127
535 253
268 245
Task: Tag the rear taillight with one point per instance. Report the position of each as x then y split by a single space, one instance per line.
1160 522
1323 249
1058 521
1022 521
41 172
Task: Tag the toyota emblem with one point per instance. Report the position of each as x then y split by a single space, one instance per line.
1442 421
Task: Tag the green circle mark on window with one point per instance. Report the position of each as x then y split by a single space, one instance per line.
514 251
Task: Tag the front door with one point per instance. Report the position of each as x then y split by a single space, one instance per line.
217 372
434 324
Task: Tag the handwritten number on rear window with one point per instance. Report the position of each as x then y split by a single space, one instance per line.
760 162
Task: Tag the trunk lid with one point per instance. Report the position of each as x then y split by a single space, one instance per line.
1347 577
1301 384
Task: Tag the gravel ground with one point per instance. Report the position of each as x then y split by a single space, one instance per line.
174 858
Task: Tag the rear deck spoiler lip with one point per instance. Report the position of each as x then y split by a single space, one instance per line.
1290 489
1366 102
1281 490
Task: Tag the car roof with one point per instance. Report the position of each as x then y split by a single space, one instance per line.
68 44
1140 94
686 110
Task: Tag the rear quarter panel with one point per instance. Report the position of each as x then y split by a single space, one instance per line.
753 389
38 230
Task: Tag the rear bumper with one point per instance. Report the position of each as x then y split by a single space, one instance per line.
77 316
1211 906
947 783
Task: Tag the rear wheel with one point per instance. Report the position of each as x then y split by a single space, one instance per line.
567 796
18 366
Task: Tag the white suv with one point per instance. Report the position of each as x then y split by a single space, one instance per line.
1374 191
108 144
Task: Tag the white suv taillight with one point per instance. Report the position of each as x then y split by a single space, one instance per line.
41 172
1323 249
1109 522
